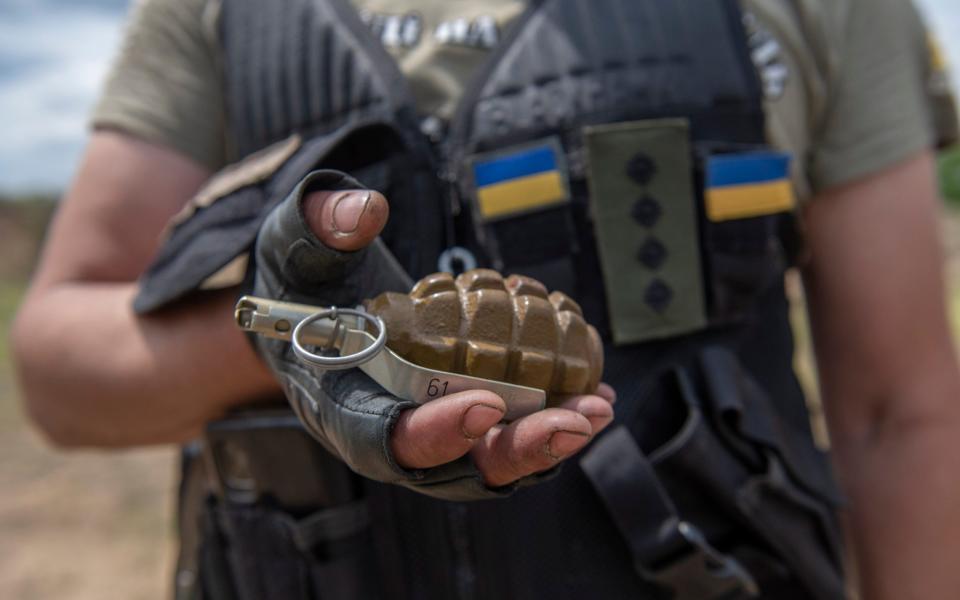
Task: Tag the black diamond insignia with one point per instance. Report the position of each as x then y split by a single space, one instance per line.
658 295
641 168
646 211
652 253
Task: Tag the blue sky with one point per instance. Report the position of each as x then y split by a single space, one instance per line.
55 53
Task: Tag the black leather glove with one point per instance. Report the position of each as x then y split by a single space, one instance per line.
349 413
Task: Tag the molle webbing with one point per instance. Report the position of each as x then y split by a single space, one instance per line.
570 65
300 66
573 64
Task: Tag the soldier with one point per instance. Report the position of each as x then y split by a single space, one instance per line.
651 159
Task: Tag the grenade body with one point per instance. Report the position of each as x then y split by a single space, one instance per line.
483 325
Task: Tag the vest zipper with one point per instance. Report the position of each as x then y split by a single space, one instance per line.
436 140
449 154
461 546
454 150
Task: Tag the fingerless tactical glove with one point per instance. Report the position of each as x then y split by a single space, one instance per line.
346 411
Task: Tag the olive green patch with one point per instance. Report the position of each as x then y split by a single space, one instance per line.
645 216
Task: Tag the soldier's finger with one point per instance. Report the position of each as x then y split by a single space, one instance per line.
595 408
606 392
444 429
529 445
346 220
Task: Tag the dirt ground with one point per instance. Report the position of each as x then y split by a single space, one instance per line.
98 525
82 525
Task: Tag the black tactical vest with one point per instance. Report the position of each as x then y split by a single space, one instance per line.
709 484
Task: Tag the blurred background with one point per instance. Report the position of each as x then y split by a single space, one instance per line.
99 525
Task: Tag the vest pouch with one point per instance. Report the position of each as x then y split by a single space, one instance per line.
521 211
748 227
744 259
286 518
761 534
268 554
788 498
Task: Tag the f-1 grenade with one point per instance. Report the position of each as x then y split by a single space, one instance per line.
483 325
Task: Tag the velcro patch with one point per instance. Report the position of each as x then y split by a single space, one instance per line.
646 222
754 184
519 179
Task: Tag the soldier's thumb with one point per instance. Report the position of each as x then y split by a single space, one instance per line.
345 220
320 243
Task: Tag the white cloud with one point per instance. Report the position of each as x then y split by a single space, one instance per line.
44 106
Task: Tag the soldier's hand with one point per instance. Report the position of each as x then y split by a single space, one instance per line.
319 246
445 429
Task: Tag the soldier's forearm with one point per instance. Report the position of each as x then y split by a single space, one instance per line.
889 376
93 373
904 496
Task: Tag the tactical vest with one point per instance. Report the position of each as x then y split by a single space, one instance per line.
707 486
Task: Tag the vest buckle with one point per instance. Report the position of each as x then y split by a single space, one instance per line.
703 572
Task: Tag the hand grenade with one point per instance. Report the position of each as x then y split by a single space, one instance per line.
483 325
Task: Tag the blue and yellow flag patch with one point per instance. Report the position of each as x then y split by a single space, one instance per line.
519 180
740 186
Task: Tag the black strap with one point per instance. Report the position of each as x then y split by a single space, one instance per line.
665 549
214 574
333 523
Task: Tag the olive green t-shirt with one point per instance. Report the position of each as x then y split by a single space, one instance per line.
851 86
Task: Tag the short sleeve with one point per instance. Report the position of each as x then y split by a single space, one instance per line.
879 109
164 84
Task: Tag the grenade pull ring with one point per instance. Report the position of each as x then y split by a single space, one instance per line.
336 363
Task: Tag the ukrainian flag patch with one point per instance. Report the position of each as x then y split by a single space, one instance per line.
740 186
520 180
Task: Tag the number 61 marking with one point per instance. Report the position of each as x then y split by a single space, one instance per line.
436 388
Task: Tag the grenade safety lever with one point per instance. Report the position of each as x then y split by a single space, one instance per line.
345 330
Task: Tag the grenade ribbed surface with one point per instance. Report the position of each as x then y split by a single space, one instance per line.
483 325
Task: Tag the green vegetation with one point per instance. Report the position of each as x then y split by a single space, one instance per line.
22 224
950 174
10 294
